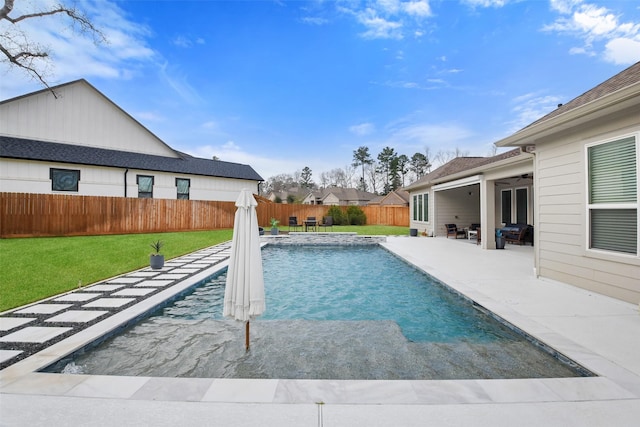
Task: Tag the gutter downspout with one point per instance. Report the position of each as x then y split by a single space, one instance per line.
125 182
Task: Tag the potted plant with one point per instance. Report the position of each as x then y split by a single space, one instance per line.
274 226
156 259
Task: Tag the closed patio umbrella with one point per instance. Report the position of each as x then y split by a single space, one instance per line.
244 291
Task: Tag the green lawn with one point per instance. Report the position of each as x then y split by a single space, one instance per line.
35 268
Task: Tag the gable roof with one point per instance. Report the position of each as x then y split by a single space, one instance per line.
621 80
393 198
460 165
346 194
620 92
97 109
29 149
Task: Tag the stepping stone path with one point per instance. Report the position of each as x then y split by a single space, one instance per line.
25 331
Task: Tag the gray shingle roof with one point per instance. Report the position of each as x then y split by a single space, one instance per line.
461 164
621 80
29 149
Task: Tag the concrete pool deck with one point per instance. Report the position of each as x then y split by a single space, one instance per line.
598 332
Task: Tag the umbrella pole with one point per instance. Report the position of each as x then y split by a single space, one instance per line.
246 337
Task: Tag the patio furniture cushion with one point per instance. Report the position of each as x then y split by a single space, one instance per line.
518 233
453 230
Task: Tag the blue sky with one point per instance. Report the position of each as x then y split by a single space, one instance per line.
281 85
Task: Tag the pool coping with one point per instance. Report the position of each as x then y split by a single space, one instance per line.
613 382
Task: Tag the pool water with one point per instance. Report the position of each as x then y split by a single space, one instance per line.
352 283
332 312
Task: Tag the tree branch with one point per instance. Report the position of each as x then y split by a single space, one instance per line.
21 53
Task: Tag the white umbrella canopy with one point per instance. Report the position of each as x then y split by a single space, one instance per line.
244 290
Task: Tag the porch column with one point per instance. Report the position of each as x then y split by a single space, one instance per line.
487 213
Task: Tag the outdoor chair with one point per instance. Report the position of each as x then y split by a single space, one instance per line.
293 222
327 221
453 230
310 223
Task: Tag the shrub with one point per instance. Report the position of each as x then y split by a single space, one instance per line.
356 216
339 218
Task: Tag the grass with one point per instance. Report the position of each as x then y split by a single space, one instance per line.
40 267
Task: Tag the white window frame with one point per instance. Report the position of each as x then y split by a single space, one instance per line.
630 205
424 212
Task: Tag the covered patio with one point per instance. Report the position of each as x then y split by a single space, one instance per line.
492 192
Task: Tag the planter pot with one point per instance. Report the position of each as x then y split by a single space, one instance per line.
413 232
156 261
274 231
500 242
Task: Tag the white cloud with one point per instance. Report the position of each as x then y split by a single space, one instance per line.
388 19
622 51
599 29
379 28
179 83
312 20
74 56
148 116
231 151
419 8
210 125
530 107
486 3
362 129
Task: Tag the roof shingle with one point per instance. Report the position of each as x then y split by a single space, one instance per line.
29 149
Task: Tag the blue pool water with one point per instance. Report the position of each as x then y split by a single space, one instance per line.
340 312
352 283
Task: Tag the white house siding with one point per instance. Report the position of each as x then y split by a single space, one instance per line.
222 189
21 176
81 116
561 223
456 206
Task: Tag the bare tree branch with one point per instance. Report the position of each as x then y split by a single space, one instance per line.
20 52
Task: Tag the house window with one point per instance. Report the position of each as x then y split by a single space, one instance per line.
613 195
64 179
421 207
506 206
522 205
182 187
145 186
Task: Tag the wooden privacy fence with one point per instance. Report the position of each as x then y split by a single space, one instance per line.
24 215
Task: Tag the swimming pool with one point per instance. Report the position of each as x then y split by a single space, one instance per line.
332 312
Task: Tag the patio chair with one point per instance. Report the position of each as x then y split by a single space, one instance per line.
310 222
293 222
327 221
453 230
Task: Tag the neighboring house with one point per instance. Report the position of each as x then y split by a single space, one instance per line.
394 198
587 197
284 196
339 196
490 191
82 143
574 178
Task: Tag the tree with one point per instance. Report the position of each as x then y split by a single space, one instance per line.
361 157
420 165
386 158
20 51
444 156
305 178
402 168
